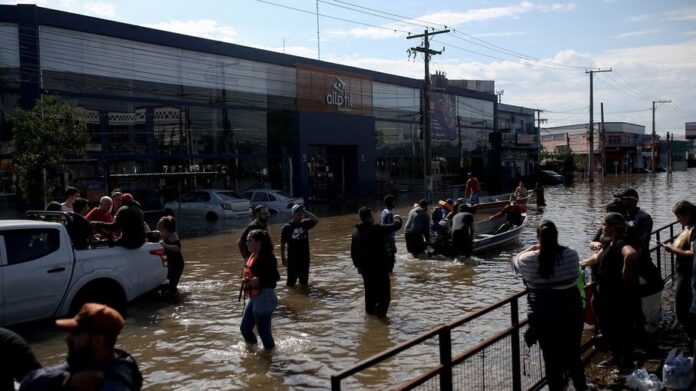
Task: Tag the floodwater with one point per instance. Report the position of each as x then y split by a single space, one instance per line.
192 342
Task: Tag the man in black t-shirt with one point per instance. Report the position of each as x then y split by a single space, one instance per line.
294 236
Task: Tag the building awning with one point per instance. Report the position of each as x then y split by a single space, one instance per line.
162 174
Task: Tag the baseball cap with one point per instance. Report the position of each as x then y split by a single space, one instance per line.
445 205
628 193
94 317
296 208
127 197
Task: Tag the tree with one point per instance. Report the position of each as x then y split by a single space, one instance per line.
44 138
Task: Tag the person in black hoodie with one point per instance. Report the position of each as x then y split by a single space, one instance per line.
93 362
368 251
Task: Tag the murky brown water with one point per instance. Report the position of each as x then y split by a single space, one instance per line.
193 342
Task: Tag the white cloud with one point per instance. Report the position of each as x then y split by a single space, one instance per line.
638 18
453 18
100 9
636 33
204 28
684 14
500 34
627 92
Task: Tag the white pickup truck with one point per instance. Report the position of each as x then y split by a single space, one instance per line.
42 276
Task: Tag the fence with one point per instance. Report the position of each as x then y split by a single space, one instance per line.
475 356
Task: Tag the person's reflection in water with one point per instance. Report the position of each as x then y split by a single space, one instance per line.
374 337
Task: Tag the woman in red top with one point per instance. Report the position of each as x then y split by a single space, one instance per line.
260 277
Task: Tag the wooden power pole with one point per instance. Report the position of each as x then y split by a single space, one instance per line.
590 139
427 152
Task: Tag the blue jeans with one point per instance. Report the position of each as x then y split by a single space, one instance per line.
258 312
474 198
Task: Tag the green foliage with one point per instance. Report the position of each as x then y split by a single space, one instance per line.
563 158
44 138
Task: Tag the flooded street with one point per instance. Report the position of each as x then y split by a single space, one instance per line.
193 341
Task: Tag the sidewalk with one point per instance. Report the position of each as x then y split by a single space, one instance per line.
670 335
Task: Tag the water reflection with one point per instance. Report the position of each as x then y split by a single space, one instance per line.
192 341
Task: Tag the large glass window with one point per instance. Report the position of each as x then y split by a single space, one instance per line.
395 102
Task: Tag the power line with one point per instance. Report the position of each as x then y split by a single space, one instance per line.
335 17
455 32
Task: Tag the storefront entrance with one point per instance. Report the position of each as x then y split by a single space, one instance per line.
332 172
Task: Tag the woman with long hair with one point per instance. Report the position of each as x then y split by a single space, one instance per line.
550 272
683 248
616 292
260 278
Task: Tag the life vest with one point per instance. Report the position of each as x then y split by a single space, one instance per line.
248 275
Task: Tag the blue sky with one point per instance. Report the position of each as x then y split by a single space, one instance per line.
536 51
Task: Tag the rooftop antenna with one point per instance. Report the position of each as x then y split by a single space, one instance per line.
318 44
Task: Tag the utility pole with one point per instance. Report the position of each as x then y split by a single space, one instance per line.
590 154
602 140
652 144
669 152
539 122
427 152
318 42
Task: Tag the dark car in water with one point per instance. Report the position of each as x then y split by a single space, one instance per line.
548 177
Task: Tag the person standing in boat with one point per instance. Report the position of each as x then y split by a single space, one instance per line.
520 191
417 228
513 215
550 272
372 260
472 190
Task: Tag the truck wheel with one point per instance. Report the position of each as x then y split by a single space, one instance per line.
211 216
106 292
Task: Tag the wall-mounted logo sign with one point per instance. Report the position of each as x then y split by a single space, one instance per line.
328 90
339 96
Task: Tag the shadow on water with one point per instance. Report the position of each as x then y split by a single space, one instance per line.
192 341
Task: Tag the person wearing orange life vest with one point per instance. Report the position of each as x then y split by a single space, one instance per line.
260 278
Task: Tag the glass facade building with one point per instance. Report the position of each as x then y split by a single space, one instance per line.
167 112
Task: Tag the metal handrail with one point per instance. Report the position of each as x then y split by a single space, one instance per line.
444 332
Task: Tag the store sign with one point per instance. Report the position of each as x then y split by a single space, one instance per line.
328 90
525 139
339 95
690 131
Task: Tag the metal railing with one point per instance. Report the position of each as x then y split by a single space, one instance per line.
486 358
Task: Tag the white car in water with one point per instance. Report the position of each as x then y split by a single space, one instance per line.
210 204
43 276
275 200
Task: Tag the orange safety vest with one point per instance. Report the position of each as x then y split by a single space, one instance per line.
248 275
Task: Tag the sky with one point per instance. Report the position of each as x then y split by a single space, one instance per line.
537 52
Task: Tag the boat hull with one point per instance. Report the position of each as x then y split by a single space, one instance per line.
486 239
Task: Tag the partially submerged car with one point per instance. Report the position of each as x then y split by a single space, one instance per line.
210 204
275 200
